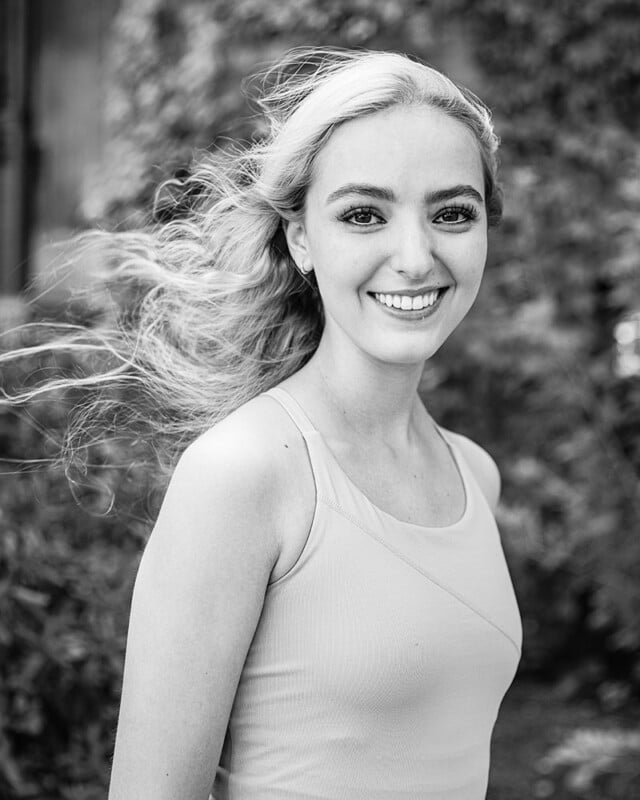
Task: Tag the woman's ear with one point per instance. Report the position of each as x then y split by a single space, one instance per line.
297 243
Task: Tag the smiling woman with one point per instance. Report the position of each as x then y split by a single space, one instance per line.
323 609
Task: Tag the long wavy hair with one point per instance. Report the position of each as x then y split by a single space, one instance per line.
209 310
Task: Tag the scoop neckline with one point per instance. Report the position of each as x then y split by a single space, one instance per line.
387 515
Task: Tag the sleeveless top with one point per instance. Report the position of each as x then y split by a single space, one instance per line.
380 658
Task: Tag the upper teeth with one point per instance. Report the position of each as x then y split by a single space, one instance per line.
406 302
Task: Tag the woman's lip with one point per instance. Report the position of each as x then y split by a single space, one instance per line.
412 292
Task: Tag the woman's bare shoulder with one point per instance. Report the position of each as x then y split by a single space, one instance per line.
254 437
484 468
257 426
259 439
260 458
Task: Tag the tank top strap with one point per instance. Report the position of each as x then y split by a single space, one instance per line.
293 409
327 479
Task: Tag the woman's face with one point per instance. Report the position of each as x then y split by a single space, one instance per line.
395 229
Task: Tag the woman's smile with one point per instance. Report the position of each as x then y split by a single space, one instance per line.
425 300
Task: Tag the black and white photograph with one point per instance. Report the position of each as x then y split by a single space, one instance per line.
319 400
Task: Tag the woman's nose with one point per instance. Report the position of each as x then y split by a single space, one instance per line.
414 250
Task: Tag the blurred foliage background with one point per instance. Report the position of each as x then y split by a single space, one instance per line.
532 375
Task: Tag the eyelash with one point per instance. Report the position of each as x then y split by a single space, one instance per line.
352 210
469 213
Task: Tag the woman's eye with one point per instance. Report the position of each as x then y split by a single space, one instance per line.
364 217
456 215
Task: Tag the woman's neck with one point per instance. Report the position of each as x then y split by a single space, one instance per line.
367 398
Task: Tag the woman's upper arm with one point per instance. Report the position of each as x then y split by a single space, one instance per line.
198 596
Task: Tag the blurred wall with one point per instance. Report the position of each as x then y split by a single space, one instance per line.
13 144
53 128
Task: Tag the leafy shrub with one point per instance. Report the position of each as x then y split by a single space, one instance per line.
592 764
66 573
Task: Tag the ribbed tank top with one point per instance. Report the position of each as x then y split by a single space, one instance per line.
380 658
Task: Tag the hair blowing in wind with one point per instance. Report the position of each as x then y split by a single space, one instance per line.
208 310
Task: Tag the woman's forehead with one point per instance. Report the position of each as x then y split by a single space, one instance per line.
402 148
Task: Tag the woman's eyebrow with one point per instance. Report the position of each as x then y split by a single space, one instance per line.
362 188
382 193
461 190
